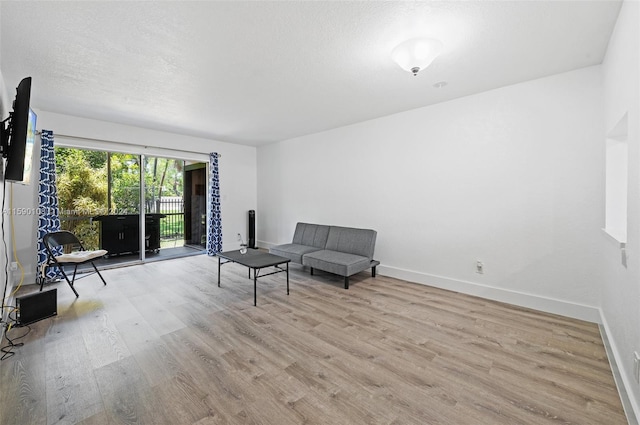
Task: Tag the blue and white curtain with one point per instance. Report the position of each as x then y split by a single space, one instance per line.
214 219
48 214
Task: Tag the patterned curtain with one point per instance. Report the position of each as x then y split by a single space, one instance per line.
214 219
48 214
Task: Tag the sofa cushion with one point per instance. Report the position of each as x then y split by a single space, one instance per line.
351 240
341 263
311 235
292 251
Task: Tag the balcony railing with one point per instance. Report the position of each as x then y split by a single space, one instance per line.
171 226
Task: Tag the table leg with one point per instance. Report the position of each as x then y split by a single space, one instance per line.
255 279
287 278
218 272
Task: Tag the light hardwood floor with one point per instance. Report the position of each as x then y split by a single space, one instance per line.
162 344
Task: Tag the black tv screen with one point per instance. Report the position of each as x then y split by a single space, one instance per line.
19 126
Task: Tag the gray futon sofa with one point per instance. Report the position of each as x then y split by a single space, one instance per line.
344 251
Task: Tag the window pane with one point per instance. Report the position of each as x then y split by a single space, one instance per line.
82 191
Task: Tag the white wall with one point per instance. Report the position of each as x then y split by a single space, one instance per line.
513 177
237 172
621 286
21 224
5 103
5 107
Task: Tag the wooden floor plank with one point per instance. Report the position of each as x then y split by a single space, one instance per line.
22 390
103 341
71 390
128 399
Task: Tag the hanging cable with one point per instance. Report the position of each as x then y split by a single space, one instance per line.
7 350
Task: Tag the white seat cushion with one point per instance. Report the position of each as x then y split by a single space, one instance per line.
81 256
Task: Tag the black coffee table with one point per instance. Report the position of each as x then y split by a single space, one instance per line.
256 260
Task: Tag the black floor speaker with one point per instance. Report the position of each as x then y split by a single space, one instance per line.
38 306
252 229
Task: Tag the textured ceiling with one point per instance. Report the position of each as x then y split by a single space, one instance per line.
258 72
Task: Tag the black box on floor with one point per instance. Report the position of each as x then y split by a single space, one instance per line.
38 306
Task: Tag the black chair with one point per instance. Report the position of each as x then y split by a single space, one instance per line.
54 244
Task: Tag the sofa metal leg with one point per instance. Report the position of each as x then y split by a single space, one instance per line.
311 270
346 282
373 271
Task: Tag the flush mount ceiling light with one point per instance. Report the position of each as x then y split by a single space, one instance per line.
416 54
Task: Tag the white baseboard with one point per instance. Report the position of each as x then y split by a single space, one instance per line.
522 299
629 402
265 245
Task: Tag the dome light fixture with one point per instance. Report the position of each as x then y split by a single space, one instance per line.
416 54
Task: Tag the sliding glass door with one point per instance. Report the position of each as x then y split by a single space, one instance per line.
168 208
99 195
138 208
119 227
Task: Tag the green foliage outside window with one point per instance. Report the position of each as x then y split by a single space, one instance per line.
82 192
125 183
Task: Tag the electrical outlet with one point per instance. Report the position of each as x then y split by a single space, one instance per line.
14 266
479 267
636 366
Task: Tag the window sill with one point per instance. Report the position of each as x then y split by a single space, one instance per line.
616 237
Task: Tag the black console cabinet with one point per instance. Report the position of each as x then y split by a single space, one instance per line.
120 234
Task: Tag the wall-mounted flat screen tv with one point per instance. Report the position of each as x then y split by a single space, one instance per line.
18 140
